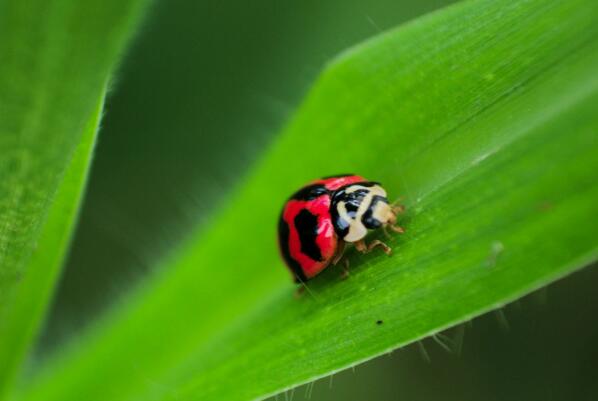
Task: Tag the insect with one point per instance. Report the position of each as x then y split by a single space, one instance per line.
319 220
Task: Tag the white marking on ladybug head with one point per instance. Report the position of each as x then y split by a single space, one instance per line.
356 229
381 211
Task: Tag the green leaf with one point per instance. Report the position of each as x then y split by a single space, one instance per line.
56 58
482 116
30 297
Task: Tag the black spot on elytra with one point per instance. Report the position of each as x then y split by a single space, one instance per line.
307 227
283 242
379 322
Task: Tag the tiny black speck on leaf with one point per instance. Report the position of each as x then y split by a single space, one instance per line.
379 322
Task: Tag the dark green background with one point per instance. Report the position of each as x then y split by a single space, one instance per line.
205 88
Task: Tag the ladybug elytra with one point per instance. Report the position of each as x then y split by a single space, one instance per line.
319 219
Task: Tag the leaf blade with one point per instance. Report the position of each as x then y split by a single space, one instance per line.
29 300
56 58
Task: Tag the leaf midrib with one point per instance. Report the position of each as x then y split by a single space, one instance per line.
575 94
519 88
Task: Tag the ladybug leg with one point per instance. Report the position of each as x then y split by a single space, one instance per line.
385 231
397 229
345 273
377 243
339 256
339 253
393 220
363 248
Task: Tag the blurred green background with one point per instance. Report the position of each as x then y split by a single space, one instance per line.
200 95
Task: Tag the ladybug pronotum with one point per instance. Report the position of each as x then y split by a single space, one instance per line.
319 219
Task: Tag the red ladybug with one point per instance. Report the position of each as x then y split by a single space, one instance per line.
321 217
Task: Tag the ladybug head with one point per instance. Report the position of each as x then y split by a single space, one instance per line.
358 207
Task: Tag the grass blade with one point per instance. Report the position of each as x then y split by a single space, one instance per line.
30 298
56 58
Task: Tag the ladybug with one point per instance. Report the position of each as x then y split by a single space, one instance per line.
321 218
